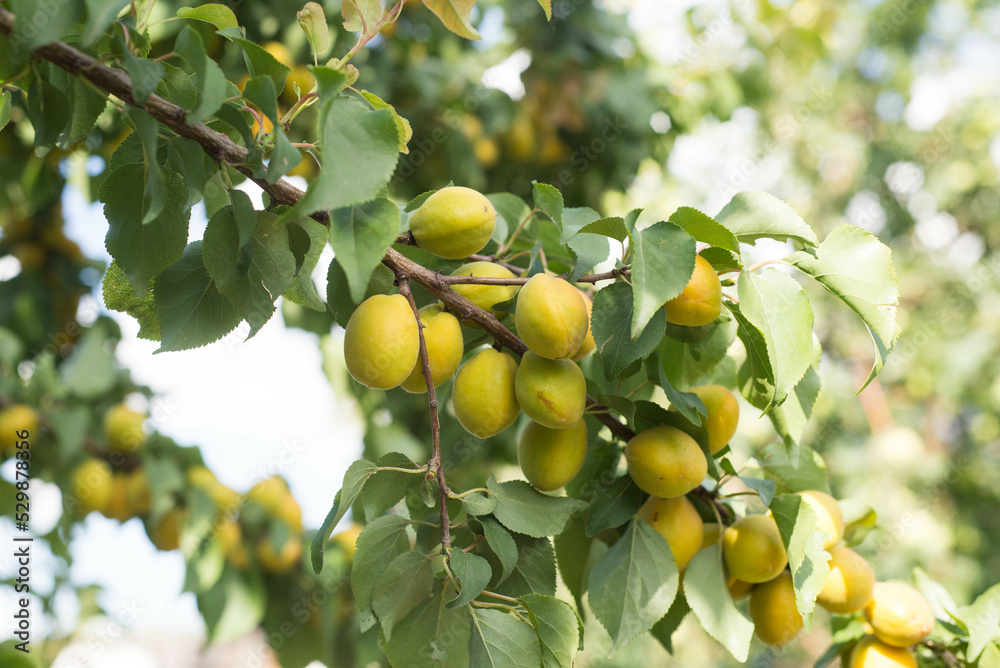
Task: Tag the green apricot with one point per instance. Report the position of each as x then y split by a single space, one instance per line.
550 458
753 549
445 347
485 296
701 300
381 343
453 223
552 392
483 397
551 317
665 462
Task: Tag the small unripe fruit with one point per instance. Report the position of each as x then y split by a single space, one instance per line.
92 485
551 392
166 534
483 396
381 343
123 428
485 296
588 344
678 521
665 462
723 415
830 519
870 652
701 300
551 317
550 458
445 347
899 614
14 419
453 223
776 619
753 549
279 562
848 586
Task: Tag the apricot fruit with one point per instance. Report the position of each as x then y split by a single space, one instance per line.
223 497
445 347
453 223
678 521
279 562
551 317
381 343
753 549
230 537
123 428
870 652
550 458
701 300
137 492
723 415
273 495
776 619
92 485
665 462
484 398
485 296
830 519
553 393
738 588
588 344
13 420
899 614
711 534
117 507
166 534
848 586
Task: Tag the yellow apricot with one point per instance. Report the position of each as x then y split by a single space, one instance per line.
588 344
678 521
753 549
224 497
289 512
830 518
870 652
279 562
137 492
92 485
17 422
723 415
665 462
711 534
445 347
550 458
551 317
848 586
551 392
123 428
738 588
485 296
453 223
776 619
899 614
273 495
230 537
381 343
117 508
166 535
701 300
483 396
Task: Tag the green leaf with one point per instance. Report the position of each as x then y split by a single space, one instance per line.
209 81
500 640
690 357
6 108
802 468
120 296
662 264
360 150
220 16
155 195
558 627
765 488
354 480
722 260
234 607
982 619
85 106
473 573
189 160
405 130
535 571
262 93
177 87
613 505
611 324
404 584
381 541
613 227
859 519
360 236
688 404
588 249
756 375
48 111
753 215
573 548
856 267
432 635
260 63
479 504
808 561
303 289
502 544
39 23
361 15
522 508
549 201
387 488
790 418
146 75
338 296
89 372
707 592
455 15
312 20
100 15
779 308
705 229
664 629
941 602
635 583
547 8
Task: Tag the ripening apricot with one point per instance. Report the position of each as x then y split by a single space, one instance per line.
550 458
381 342
830 518
678 521
272 494
870 652
551 317
230 537
483 396
753 549
453 223
123 428
272 561
92 485
701 300
899 614
848 586
711 534
14 420
137 492
485 296
117 507
551 392
723 415
665 462
166 535
588 344
224 497
776 619
738 588
445 347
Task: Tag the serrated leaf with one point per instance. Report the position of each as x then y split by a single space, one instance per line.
756 375
303 290
189 160
662 264
361 15
802 468
705 229
432 635
209 81
100 15
791 417
338 294
155 195
455 15
360 236
261 93
690 357
120 296
589 250
312 20
502 544
549 201
220 16
547 8
6 108
145 74
573 548
856 267
405 130
634 585
354 480
752 215
535 571
982 619
261 63
522 508
808 561
473 573
765 488
85 106
611 323
387 488
39 23
707 592
381 541
48 111
479 504
500 640
404 584
613 227
558 627
664 629
688 404
177 87
613 505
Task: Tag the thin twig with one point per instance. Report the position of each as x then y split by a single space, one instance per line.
517 232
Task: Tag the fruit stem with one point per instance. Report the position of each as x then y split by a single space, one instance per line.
946 655
517 232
